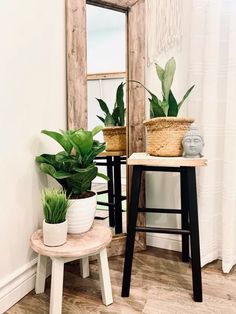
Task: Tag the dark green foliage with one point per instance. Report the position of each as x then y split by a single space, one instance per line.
74 168
117 117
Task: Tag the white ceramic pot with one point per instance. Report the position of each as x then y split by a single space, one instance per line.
80 214
54 234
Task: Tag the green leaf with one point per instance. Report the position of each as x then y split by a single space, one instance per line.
185 96
168 77
115 115
109 121
61 139
160 72
82 141
103 176
173 106
155 109
97 129
103 106
102 119
120 103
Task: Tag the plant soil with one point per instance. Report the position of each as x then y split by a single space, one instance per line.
83 195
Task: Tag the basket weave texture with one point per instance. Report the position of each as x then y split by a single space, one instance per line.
115 138
165 135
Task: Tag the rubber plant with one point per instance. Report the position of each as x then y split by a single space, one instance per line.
74 167
117 116
168 106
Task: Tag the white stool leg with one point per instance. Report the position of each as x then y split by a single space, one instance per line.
41 274
84 267
104 275
56 286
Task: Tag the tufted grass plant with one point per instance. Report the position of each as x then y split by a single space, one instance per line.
55 205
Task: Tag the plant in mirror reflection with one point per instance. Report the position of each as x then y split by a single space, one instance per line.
117 116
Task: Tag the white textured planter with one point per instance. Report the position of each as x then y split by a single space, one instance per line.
54 234
80 214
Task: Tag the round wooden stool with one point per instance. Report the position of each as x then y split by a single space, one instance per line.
78 246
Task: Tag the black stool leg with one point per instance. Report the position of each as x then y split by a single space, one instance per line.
184 215
110 192
194 236
118 207
132 218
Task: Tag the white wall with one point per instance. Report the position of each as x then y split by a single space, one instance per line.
32 98
163 190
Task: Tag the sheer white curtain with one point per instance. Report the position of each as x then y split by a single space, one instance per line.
212 66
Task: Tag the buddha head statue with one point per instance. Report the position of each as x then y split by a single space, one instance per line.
193 143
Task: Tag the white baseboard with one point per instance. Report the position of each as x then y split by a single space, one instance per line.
164 241
17 285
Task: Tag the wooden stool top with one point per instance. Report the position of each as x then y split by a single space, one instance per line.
113 153
77 245
145 159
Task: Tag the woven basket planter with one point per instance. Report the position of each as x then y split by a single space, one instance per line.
165 135
115 138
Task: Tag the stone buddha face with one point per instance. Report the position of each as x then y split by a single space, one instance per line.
193 143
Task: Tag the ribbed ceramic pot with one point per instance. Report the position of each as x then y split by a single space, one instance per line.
80 214
54 234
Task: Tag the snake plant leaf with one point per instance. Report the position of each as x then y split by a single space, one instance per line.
82 141
102 119
97 129
120 103
155 109
101 175
115 115
164 106
109 121
168 77
59 138
160 72
103 106
185 96
173 106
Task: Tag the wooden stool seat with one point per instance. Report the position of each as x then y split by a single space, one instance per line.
78 246
142 162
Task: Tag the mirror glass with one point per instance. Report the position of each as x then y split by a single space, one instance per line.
106 70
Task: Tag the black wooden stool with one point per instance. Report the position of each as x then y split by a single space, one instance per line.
189 213
113 161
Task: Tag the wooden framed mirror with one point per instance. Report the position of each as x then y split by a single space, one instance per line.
77 111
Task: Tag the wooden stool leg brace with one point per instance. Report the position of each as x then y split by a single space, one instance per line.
56 293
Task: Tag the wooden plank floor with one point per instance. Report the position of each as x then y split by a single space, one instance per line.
161 284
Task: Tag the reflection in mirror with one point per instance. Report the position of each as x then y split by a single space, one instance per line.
106 64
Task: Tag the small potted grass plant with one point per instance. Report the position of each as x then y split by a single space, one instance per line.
55 204
165 131
74 169
115 131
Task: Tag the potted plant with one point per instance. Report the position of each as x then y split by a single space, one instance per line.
165 131
115 131
74 168
55 204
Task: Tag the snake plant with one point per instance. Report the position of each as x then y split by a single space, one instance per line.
168 106
74 167
117 116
